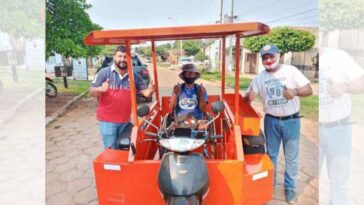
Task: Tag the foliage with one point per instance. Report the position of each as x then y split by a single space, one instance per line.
163 50
177 44
107 50
22 18
67 24
201 56
285 38
192 47
144 50
338 14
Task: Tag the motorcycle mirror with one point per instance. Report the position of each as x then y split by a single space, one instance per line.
217 107
143 111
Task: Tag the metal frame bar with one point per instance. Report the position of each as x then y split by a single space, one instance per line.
237 78
223 56
154 61
132 83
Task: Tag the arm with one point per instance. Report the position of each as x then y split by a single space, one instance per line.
173 99
303 87
142 87
304 91
149 91
96 91
99 85
202 99
252 91
354 87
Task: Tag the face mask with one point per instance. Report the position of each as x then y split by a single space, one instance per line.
189 80
269 67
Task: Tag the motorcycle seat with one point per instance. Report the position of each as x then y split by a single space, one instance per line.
123 140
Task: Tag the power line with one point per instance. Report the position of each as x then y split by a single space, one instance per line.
304 18
295 24
297 14
290 9
257 8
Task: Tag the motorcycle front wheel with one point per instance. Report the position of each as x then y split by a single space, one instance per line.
51 90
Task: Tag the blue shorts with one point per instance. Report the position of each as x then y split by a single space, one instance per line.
110 131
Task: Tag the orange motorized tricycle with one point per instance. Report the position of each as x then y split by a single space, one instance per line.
162 162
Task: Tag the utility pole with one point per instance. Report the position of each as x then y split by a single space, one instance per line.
231 20
220 45
221 6
181 44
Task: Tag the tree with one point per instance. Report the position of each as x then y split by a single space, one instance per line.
201 56
67 24
162 51
338 14
107 50
285 38
22 18
192 47
144 50
177 44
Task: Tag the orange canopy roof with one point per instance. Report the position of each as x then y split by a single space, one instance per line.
105 37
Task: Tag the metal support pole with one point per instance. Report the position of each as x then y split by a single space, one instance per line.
15 73
237 78
132 84
154 59
223 67
65 83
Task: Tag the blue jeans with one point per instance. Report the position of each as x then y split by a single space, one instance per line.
287 132
335 147
109 132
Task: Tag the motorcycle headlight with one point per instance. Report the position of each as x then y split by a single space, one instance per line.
180 144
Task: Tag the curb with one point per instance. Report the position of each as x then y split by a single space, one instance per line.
15 109
63 109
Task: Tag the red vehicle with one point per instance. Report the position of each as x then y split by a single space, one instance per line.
148 168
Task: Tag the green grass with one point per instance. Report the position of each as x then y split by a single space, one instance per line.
309 105
230 80
357 112
75 87
29 79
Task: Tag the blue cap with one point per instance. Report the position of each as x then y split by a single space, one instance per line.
270 48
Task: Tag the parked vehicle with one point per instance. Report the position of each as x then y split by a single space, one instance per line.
50 88
138 67
184 60
155 164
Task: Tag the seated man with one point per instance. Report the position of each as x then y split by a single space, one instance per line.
190 97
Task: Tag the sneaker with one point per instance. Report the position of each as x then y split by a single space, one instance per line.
291 196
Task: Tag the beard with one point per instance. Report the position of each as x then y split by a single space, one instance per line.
122 65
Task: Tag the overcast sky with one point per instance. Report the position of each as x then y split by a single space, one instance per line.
122 14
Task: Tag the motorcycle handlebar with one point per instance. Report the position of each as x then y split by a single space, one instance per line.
216 137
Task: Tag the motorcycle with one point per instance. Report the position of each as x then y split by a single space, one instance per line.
50 88
181 166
